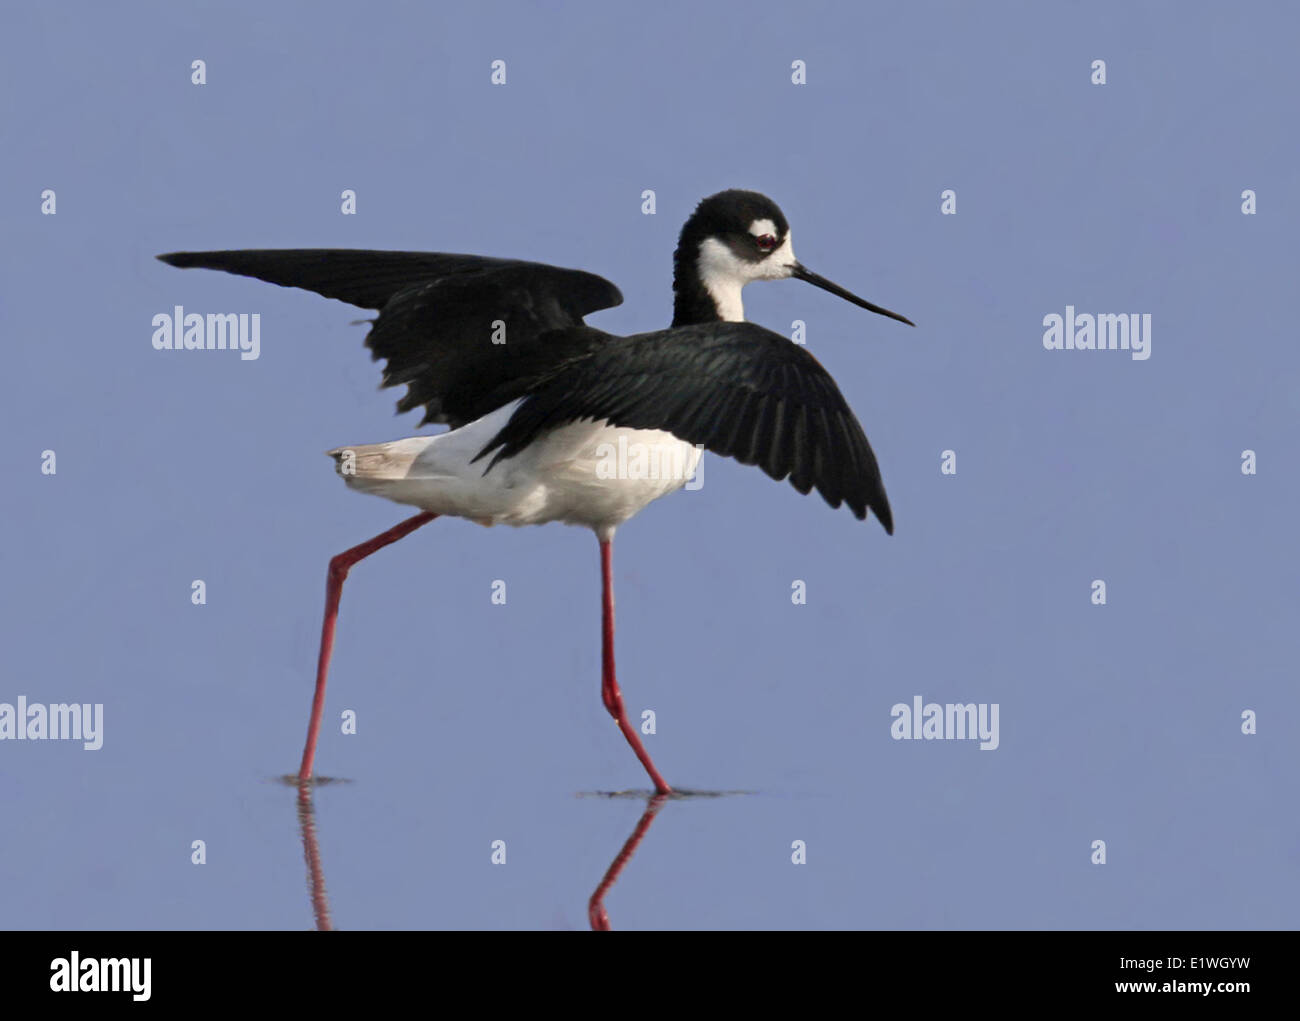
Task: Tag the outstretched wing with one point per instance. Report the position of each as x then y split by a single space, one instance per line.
466 333
738 389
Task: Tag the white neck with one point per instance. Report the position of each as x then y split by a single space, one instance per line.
723 276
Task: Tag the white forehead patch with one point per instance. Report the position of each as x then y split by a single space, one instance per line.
760 227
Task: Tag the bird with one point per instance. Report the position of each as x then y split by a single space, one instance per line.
542 408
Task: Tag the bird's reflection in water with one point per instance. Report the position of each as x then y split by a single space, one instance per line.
596 913
320 903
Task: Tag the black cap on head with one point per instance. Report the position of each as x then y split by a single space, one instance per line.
732 211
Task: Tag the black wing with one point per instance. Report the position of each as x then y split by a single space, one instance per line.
738 389
438 316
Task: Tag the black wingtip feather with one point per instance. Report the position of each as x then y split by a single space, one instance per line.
435 308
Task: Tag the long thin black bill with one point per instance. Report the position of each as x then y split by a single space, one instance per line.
820 281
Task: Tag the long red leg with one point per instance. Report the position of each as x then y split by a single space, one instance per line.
338 571
609 692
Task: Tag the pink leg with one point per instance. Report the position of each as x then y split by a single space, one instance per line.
338 571
609 692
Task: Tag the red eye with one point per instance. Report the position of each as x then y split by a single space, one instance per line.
766 242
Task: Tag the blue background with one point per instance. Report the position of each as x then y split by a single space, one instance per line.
480 722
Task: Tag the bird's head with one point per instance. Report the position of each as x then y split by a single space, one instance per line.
733 238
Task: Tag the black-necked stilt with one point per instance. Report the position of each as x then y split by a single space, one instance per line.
543 408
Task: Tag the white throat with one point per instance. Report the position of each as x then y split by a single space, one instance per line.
724 275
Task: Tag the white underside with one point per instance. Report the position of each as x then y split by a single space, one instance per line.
584 473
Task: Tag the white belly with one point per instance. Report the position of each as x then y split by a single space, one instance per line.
584 473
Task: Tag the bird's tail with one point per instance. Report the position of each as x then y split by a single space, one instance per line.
373 467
